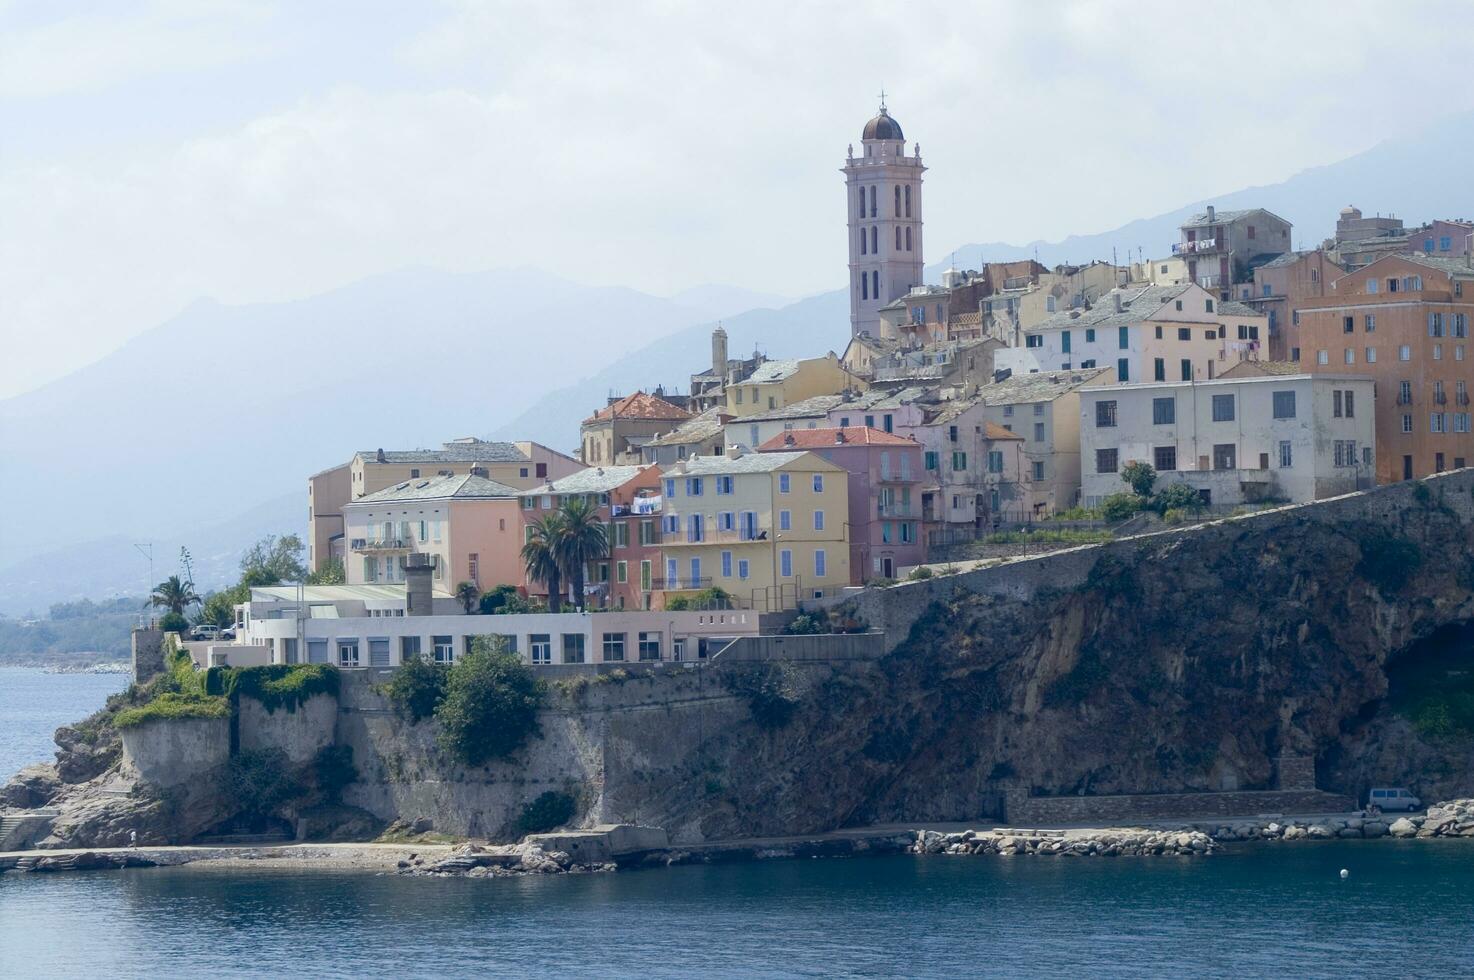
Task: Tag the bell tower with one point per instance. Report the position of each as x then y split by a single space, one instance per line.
883 200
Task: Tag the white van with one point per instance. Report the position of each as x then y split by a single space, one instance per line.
1393 798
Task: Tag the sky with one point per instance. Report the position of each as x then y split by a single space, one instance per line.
156 153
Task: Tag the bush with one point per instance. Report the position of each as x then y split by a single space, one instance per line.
678 603
334 770
548 812
490 705
1174 515
275 685
173 707
1077 514
918 573
713 598
807 624
1120 506
1140 477
260 782
1176 496
415 688
173 622
771 704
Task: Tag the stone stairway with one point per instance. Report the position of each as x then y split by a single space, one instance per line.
11 823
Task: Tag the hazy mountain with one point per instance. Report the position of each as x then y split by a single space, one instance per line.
715 301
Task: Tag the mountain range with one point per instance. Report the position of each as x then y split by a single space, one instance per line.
180 435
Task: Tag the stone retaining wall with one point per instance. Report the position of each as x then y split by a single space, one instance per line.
176 751
1050 811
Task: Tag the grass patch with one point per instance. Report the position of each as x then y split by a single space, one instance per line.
172 706
1063 536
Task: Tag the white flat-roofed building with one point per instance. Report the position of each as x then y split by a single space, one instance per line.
1296 437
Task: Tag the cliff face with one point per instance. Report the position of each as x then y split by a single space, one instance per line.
1185 661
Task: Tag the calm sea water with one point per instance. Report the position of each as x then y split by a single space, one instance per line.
33 704
1407 910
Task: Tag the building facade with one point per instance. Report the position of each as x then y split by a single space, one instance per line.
327 492
615 434
883 201
1222 248
1402 321
777 384
1279 288
1234 440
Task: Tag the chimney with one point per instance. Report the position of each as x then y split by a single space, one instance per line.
788 438
379 456
418 571
839 438
1212 215
734 451
1116 295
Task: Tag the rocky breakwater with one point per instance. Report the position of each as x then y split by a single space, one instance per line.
500 861
1453 818
1007 842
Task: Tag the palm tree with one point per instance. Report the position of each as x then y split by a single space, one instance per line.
174 595
468 594
582 540
540 556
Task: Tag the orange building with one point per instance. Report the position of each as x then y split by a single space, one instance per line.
1403 320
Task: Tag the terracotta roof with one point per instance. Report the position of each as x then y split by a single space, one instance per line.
993 430
828 438
640 405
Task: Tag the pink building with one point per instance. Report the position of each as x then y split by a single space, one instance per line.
885 474
1445 239
629 503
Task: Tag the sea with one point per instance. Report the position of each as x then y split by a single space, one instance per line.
1406 909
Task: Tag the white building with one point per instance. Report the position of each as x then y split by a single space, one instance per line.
883 191
1292 437
367 626
1151 333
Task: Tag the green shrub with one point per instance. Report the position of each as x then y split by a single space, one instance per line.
1120 506
1175 515
677 603
173 706
1388 561
1077 514
1176 496
490 705
806 624
492 602
260 782
770 700
415 688
918 573
275 685
714 597
334 770
173 622
548 812
880 582
1139 477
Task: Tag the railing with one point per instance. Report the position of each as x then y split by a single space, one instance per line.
740 535
678 583
381 544
1201 245
1462 398
1210 282
883 509
1404 399
1440 397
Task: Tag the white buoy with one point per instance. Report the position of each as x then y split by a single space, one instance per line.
1345 874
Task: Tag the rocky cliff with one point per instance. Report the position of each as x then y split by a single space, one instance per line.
1185 661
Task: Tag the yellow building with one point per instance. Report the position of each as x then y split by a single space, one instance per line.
776 384
768 528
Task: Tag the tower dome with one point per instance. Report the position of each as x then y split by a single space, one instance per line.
883 127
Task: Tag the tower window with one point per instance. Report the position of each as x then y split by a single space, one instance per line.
908 239
908 201
864 245
898 238
875 284
898 200
875 239
864 286
872 200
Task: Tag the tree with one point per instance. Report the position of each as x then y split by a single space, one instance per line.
540 557
496 600
173 595
273 560
1176 496
468 595
1140 476
1119 506
581 539
490 705
331 573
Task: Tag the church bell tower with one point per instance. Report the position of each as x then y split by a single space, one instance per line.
883 200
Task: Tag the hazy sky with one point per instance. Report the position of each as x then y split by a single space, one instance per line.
153 153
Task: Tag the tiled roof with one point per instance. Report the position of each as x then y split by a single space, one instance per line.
595 479
994 431
698 428
468 451
1449 265
1224 217
773 371
815 407
1136 305
746 463
640 405
1229 307
1021 389
828 438
463 487
1284 259
1244 368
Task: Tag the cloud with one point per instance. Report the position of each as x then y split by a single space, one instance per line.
654 144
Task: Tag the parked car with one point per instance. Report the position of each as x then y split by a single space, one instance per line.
205 631
1393 798
228 633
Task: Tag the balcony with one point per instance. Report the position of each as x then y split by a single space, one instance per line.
678 583
740 535
1440 397
371 546
1404 399
1212 282
895 509
1190 248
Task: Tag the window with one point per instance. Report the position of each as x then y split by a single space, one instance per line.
1371 323
1034 340
1371 353
898 200
724 485
1284 404
1184 333
1372 285
1064 341
1105 461
1187 369
1038 409
1438 352
1444 243
1105 415
1038 431
785 520
783 483
820 569
1123 337
908 233
818 482
409 648
930 460
613 647
1461 422
1350 355
650 646
573 648
726 564
1223 408
443 648
995 461
693 486
1435 422
1208 305
1348 324
1404 353
670 485
742 568
818 520
908 200
1345 452
725 521
1038 470
1164 458
672 524
1159 369
1435 324
1123 369
645 576
1322 357
1286 455
1164 411
621 534
1158 330
959 461
1407 423
696 527
1089 335
1460 325
1224 456
1350 405
785 563
347 653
